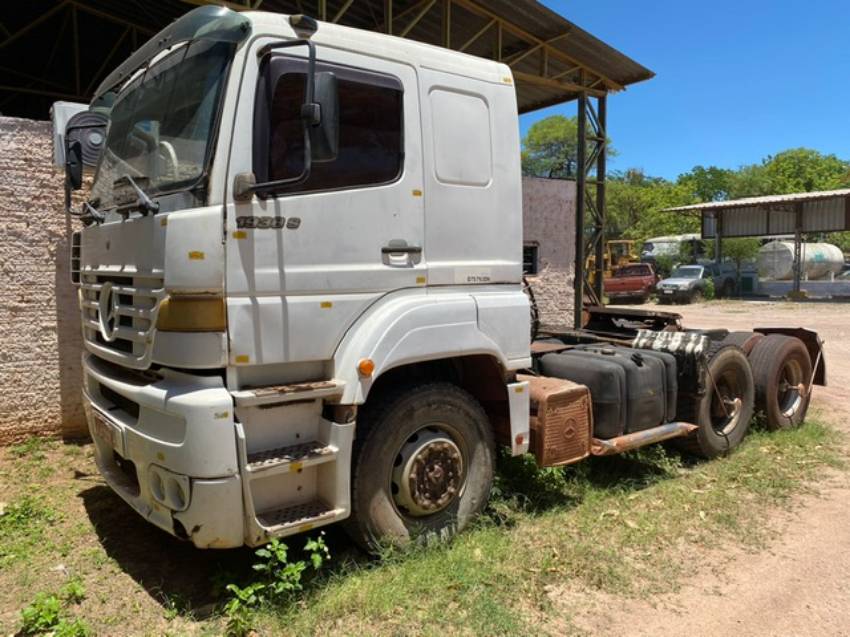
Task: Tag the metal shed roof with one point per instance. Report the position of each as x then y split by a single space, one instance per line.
775 215
761 202
61 49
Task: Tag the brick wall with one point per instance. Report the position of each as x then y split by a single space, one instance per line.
549 208
40 340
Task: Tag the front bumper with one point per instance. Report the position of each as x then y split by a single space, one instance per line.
166 444
676 294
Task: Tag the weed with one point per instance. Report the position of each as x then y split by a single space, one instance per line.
32 448
73 592
44 614
24 513
280 579
21 527
73 628
41 615
176 606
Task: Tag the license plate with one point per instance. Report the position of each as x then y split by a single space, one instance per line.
103 430
668 291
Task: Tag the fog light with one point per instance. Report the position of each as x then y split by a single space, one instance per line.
171 490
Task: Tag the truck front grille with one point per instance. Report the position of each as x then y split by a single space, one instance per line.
119 315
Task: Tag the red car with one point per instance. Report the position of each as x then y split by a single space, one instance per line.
635 281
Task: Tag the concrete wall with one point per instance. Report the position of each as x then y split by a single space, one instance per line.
549 213
40 340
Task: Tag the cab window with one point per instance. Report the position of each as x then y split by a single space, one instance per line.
371 150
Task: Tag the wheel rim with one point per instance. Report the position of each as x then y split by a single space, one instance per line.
726 402
791 387
429 472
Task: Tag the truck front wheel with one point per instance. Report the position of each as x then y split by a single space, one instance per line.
424 461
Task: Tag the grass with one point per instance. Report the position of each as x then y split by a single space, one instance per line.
631 526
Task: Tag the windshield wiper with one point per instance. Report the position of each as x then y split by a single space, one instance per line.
90 212
143 201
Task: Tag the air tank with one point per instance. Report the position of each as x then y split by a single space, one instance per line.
776 260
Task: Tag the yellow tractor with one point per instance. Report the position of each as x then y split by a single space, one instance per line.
617 253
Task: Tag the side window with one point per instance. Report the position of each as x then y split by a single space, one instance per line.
371 141
529 259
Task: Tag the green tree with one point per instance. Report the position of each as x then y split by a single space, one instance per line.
550 148
740 251
805 170
636 206
707 184
795 170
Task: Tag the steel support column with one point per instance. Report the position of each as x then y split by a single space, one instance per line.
798 243
579 266
591 167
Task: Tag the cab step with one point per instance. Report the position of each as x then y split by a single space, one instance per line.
273 394
300 516
284 459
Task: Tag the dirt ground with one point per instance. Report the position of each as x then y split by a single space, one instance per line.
800 585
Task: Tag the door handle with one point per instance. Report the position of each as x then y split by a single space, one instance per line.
401 256
401 250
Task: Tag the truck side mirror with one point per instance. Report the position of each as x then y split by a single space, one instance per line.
74 164
324 134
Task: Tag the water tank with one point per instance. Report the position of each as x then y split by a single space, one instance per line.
776 260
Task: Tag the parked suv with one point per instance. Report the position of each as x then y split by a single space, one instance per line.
686 284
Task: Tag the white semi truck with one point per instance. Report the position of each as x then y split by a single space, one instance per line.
300 284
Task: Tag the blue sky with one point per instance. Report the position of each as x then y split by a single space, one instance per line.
735 80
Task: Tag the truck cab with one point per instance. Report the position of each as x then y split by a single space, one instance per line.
289 222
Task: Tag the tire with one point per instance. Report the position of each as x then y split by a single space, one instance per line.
745 340
695 297
403 434
779 364
717 433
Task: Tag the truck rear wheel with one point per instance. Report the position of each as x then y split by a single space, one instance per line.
424 461
782 370
724 412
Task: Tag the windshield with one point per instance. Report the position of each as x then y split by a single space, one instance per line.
686 273
661 247
632 270
163 123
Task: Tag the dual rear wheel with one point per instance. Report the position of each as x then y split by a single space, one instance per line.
774 380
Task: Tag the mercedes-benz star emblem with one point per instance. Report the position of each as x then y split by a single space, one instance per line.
107 306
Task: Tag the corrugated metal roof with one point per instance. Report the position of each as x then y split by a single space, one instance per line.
763 201
39 75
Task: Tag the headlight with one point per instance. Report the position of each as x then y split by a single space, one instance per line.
192 314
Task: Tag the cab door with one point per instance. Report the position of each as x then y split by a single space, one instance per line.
303 262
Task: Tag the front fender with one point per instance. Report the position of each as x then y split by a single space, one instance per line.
412 327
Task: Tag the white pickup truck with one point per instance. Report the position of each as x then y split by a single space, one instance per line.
300 284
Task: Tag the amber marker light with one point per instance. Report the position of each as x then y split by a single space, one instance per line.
366 367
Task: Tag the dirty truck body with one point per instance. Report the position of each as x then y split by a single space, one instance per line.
301 292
